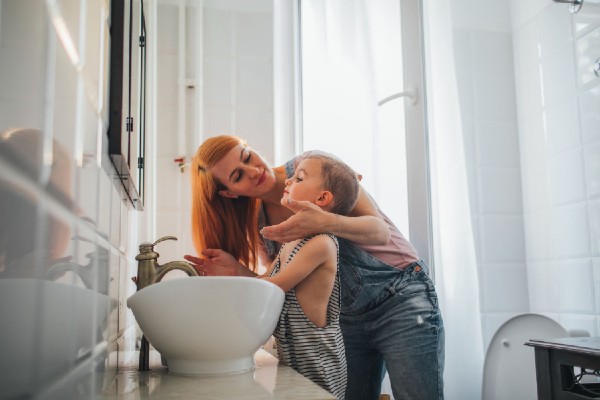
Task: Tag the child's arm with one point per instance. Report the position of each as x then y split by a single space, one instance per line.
316 252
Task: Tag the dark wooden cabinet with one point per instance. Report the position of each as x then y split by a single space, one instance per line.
127 98
567 369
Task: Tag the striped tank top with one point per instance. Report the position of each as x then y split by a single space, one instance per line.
315 352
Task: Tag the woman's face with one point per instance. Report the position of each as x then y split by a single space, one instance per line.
244 173
306 184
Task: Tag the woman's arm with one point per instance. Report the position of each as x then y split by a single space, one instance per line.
364 225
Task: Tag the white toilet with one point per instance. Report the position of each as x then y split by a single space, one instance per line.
509 369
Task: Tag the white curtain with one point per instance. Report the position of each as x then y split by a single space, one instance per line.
351 60
454 250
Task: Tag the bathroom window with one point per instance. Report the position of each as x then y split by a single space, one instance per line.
358 101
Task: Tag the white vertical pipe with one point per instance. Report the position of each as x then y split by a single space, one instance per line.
199 109
182 81
287 138
150 200
80 97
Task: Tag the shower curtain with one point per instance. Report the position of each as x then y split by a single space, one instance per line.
454 250
343 72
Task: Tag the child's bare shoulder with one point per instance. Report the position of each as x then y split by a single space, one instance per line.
322 241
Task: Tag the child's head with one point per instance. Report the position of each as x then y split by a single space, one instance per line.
325 181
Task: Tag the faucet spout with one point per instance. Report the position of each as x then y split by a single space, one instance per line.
150 272
173 265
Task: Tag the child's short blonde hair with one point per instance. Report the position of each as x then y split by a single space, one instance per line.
340 180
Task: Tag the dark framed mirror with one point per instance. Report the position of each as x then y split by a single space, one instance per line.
127 98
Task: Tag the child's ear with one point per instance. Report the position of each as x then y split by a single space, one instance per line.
228 194
324 199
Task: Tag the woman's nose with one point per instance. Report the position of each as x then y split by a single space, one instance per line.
253 172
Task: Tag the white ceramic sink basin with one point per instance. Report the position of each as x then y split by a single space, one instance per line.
208 325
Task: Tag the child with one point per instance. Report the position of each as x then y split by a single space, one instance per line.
308 334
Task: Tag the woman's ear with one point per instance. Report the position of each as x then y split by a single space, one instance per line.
324 199
228 194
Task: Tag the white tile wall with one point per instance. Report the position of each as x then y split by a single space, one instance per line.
533 173
592 170
594 214
236 97
566 177
576 287
587 49
589 104
238 76
555 30
558 117
83 228
562 121
523 11
596 274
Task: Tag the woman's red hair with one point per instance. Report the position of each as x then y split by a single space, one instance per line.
220 222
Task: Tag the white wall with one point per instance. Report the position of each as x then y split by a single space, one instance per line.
238 75
530 110
558 103
60 339
227 49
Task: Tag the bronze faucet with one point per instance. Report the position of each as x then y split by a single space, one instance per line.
150 272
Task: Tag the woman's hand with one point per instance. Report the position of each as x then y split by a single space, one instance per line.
307 220
364 225
216 262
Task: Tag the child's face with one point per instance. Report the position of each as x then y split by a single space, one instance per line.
306 184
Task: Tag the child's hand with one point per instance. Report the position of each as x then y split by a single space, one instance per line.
216 262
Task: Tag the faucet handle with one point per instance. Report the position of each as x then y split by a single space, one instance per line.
164 238
146 247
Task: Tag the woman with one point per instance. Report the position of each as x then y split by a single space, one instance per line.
390 312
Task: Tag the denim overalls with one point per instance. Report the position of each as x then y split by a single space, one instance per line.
388 316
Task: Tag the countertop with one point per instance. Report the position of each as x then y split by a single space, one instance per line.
268 380
583 345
